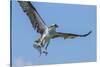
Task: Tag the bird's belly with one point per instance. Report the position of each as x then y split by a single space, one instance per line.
46 39
48 35
51 34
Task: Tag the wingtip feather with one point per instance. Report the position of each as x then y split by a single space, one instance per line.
86 34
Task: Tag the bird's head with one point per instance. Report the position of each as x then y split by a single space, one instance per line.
54 25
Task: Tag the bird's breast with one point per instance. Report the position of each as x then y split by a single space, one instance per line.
50 32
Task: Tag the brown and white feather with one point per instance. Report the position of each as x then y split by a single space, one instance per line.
36 20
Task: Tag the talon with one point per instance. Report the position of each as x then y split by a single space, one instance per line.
38 47
37 41
45 52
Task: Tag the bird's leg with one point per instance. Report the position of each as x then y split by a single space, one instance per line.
40 51
40 45
38 40
42 40
47 45
46 48
45 52
38 48
43 43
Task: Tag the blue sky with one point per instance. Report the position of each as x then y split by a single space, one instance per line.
78 19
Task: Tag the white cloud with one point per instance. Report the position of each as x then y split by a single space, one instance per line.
20 62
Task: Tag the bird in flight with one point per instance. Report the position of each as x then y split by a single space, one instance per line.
46 32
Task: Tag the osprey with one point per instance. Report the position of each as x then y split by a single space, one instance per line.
46 32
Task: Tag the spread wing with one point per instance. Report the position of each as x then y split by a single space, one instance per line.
68 35
35 19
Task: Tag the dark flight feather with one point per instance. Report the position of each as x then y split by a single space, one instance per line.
36 20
